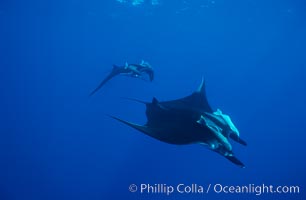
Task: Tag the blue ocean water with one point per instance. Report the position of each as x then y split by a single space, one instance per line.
58 143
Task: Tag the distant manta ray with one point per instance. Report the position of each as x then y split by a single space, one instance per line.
133 70
190 120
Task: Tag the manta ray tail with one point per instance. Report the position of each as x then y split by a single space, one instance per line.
136 100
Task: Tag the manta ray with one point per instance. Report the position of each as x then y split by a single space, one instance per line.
133 70
190 120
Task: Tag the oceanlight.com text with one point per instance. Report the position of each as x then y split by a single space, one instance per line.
181 188
256 189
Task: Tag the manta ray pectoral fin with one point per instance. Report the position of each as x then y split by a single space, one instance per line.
201 88
115 71
140 128
234 160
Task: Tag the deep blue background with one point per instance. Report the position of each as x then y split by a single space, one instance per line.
57 143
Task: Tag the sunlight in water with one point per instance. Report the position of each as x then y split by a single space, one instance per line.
139 2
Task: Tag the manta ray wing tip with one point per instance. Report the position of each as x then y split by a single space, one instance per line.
201 87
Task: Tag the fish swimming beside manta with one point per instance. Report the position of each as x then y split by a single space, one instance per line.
141 71
190 120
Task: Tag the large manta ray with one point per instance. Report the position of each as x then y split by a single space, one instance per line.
133 70
190 120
